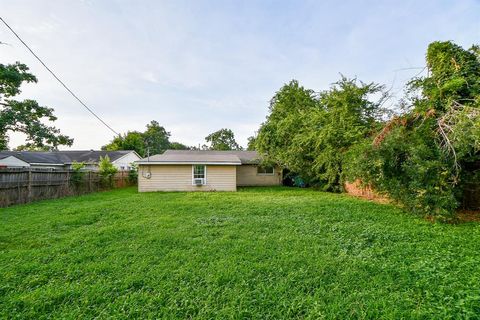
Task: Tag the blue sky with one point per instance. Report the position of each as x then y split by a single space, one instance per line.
198 66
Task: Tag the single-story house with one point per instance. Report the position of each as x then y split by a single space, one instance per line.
121 159
192 170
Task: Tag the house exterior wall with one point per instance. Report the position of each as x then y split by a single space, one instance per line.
179 178
125 162
247 176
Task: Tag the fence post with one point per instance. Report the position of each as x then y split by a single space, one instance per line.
29 185
68 186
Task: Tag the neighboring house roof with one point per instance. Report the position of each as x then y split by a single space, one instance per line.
64 157
11 161
203 157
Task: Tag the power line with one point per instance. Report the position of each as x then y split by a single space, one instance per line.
58 79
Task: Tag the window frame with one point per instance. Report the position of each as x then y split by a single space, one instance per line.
266 173
204 182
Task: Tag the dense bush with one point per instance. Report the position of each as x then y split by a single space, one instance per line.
107 172
421 157
133 174
77 173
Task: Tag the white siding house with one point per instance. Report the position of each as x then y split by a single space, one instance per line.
191 170
125 162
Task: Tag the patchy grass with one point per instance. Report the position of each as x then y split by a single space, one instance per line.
267 253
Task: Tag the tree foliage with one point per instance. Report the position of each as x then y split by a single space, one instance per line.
25 116
223 139
309 133
133 173
178 146
251 145
24 147
77 173
132 140
106 171
422 157
155 140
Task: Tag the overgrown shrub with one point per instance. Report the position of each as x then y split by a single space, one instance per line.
421 158
133 173
408 169
77 173
107 172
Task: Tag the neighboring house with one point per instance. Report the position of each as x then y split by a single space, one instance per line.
64 159
189 170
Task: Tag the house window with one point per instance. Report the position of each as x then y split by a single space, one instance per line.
199 174
265 170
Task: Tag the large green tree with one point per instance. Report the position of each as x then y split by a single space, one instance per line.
309 133
223 139
154 140
132 140
348 117
288 108
26 116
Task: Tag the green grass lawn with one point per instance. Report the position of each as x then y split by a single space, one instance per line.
266 253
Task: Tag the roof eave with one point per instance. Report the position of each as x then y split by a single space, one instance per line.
188 162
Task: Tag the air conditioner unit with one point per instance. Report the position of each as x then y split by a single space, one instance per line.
198 182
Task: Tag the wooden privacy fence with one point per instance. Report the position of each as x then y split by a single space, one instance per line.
27 184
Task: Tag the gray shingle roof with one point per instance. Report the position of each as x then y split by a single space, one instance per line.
204 156
64 157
